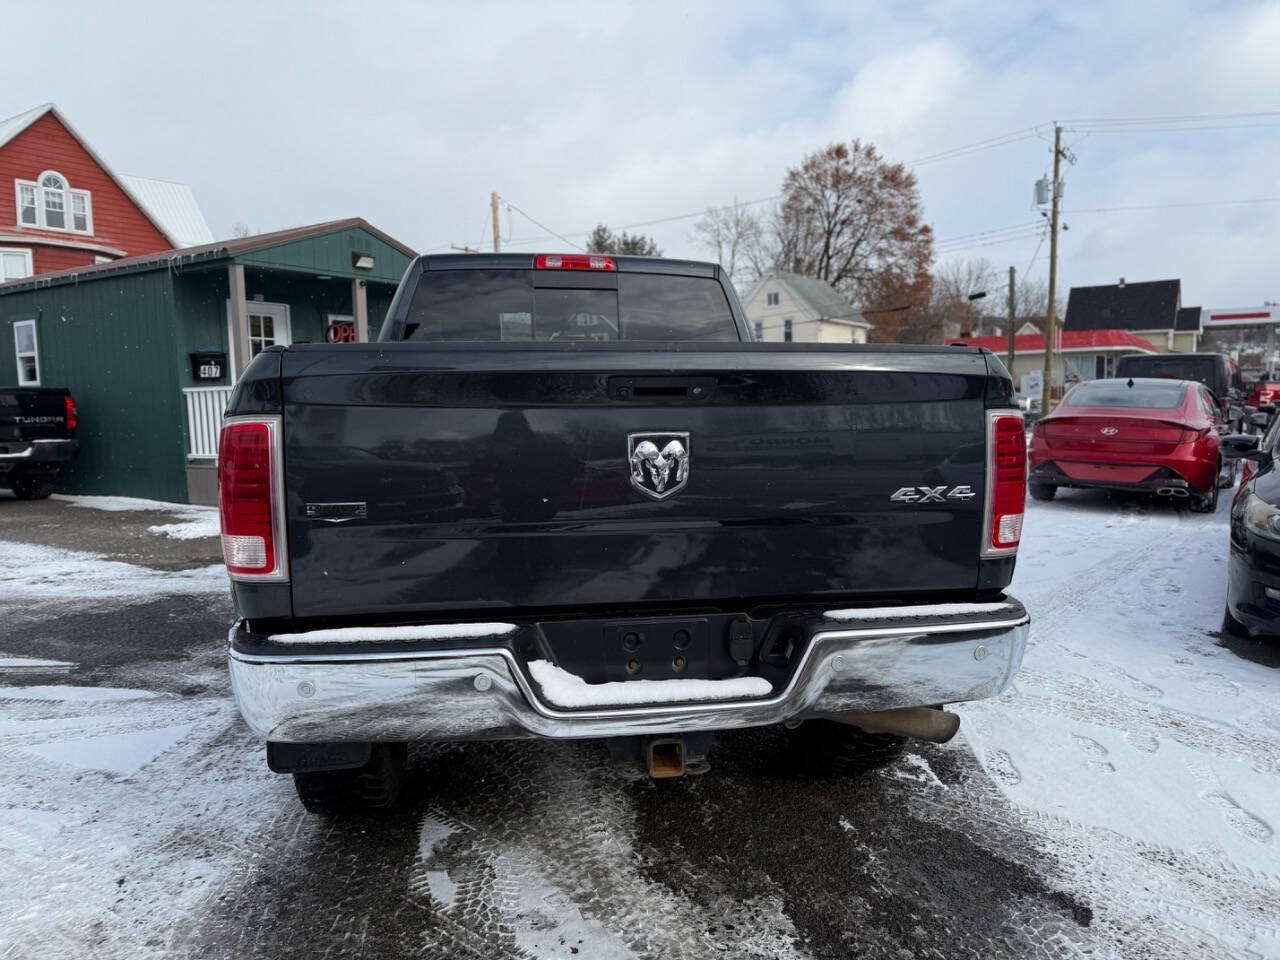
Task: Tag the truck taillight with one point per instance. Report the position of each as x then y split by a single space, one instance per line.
249 499
571 261
71 419
1006 484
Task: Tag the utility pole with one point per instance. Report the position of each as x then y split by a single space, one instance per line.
1013 320
1046 390
497 223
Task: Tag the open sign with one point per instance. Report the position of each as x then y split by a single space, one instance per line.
341 331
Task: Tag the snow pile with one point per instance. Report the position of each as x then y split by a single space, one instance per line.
919 610
194 523
436 631
36 572
194 528
566 689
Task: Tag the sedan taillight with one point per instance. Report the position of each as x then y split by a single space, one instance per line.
249 501
1006 484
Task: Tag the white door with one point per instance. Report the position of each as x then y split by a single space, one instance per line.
268 326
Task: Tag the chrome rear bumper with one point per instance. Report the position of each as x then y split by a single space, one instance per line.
443 692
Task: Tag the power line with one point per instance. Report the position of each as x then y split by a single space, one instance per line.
1188 129
542 226
977 146
1177 118
1175 206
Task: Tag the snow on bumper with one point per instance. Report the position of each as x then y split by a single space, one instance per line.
453 691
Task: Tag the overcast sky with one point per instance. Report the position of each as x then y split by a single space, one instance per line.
280 115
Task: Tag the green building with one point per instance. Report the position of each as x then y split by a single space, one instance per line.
150 346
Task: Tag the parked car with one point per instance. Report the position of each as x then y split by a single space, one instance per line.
1253 569
37 436
655 529
1217 371
1262 393
1155 436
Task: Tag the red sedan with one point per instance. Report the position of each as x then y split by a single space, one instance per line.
1157 436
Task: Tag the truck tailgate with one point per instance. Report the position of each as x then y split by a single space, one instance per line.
33 413
425 478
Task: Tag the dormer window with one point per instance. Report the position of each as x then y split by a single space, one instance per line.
51 204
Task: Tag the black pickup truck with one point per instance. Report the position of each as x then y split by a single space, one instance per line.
567 496
37 436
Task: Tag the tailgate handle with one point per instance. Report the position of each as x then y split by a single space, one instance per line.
650 389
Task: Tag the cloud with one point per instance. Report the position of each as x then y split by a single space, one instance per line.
410 115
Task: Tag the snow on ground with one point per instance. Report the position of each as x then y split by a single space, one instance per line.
1129 724
47 573
194 523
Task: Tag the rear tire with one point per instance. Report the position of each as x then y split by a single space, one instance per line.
30 488
1206 502
374 786
1042 491
826 748
1233 627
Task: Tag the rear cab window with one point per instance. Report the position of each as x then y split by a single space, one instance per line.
562 306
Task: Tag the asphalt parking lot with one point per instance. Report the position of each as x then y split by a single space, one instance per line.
137 817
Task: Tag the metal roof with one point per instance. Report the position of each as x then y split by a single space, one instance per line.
179 257
1188 320
12 126
1148 305
174 206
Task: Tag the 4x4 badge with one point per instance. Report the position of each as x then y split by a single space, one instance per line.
932 494
659 463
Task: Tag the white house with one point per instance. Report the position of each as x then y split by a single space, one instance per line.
788 307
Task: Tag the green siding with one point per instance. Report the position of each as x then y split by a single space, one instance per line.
121 343
111 342
330 254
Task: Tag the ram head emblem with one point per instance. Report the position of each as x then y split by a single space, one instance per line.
659 462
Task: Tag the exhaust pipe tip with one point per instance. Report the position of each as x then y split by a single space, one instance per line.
922 723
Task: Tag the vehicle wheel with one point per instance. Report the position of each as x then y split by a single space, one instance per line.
1231 626
1205 502
1042 491
375 786
31 488
828 748
1233 471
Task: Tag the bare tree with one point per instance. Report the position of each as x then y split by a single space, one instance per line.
1031 299
240 229
851 218
733 235
954 300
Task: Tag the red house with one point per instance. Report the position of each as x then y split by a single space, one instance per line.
61 206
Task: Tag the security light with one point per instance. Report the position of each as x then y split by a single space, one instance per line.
361 261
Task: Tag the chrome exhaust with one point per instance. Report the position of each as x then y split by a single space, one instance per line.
922 723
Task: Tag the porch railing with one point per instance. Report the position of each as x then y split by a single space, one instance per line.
204 420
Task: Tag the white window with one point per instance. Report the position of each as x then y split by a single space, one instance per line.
24 343
771 299
15 263
786 329
27 213
51 203
759 325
